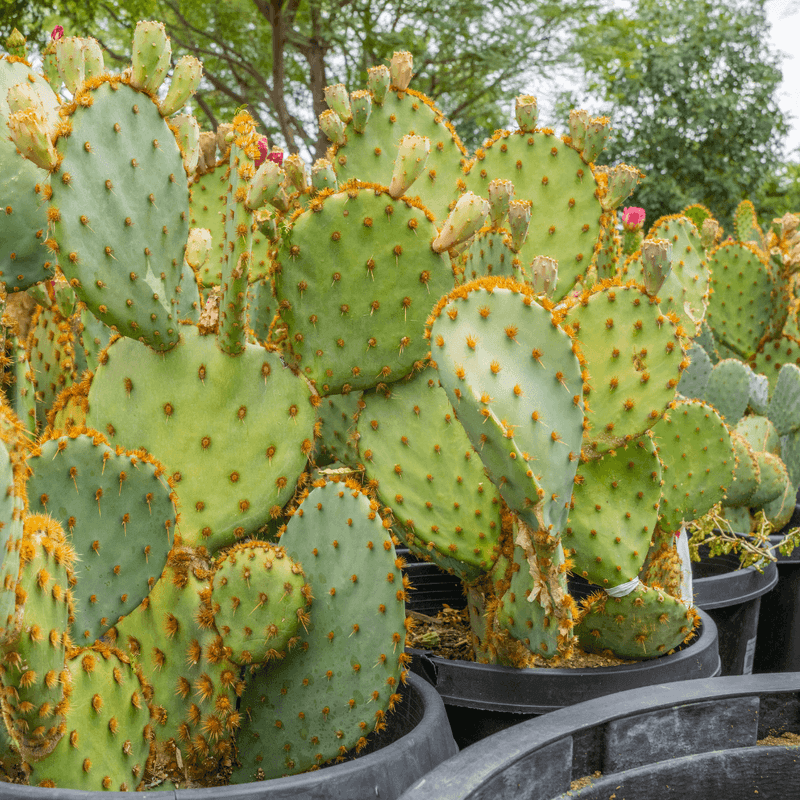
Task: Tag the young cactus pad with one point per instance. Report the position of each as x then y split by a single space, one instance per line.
370 156
644 624
514 380
698 460
172 637
334 689
259 621
23 186
233 432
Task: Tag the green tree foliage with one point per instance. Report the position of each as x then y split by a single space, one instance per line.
690 87
276 56
781 192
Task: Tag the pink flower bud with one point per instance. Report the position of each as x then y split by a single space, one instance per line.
57 33
633 217
276 156
263 149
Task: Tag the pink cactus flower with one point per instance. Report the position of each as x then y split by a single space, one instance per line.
633 217
263 150
276 156
58 33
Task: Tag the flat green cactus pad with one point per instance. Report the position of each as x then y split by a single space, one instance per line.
694 378
106 746
338 434
355 280
566 220
260 599
120 517
207 208
334 689
634 360
34 652
120 207
760 434
514 380
12 503
614 513
172 638
784 407
647 623
370 156
428 474
728 389
773 479
738 518
233 432
694 446
772 355
489 254
744 297
686 290
745 476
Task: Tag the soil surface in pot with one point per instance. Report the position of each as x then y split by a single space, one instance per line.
447 635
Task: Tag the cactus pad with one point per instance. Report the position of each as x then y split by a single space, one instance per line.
426 471
127 215
644 624
514 381
206 401
633 357
259 621
334 689
355 280
698 461
566 221
120 515
106 743
614 512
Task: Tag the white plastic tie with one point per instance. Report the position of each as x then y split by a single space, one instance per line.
682 543
624 589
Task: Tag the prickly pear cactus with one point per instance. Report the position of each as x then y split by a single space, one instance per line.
558 181
366 150
337 686
126 216
412 424
644 624
24 186
234 433
514 380
106 744
102 497
613 513
355 280
634 358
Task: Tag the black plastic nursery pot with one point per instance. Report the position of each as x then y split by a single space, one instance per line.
481 699
778 645
732 598
416 740
688 741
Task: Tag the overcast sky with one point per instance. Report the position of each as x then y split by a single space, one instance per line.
784 16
